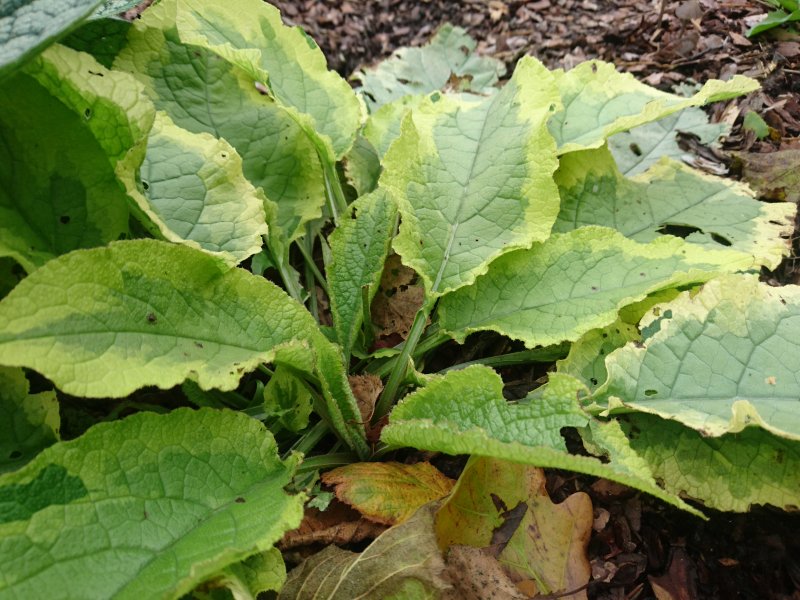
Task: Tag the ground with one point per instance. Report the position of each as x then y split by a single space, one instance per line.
640 548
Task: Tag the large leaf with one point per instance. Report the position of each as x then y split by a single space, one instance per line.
64 122
411 71
102 38
213 96
403 563
112 8
105 322
28 422
251 35
722 213
717 361
146 507
473 179
193 192
28 26
640 148
359 247
464 412
576 282
600 102
733 472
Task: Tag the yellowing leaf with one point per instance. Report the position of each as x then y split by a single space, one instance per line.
388 492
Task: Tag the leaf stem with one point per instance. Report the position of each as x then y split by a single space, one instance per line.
333 189
326 461
401 364
539 355
288 281
310 438
307 253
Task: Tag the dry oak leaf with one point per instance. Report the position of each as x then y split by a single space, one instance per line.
388 492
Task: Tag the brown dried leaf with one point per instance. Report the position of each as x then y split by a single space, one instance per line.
388 492
775 175
477 575
366 389
339 524
397 301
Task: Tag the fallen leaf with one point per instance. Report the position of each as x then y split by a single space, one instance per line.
775 175
397 301
678 583
403 562
339 524
366 389
388 492
477 575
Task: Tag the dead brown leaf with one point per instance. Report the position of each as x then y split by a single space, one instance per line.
366 389
477 575
775 175
339 524
397 301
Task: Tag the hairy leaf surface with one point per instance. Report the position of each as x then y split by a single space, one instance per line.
473 179
575 282
193 192
464 412
721 213
718 361
600 102
146 507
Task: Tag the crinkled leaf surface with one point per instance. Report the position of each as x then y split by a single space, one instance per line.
732 472
28 422
107 321
473 180
362 166
111 8
464 412
245 580
64 121
411 71
717 361
404 557
102 38
359 247
721 212
637 150
600 102
251 35
287 402
193 192
29 26
146 507
383 125
575 282
203 93
388 492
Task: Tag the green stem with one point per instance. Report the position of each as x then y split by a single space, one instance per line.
432 339
326 461
310 438
308 256
400 369
333 190
540 355
288 281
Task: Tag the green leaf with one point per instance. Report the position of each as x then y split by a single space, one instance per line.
576 282
64 122
722 212
216 97
251 35
107 321
147 507
359 247
775 18
193 192
600 102
245 580
28 26
111 8
447 56
473 179
717 361
362 166
753 122
10 275
464 412
383 125
405 555
732 472
586 360
287 401
28 422
637 150
102 38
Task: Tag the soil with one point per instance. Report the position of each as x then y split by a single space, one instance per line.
644 549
